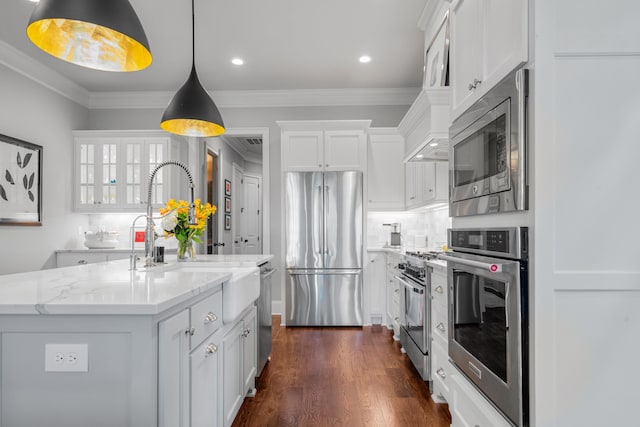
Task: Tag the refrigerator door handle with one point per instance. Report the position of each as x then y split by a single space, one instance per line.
317 272
320 225
326 209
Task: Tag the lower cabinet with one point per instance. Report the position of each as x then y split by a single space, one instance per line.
240 362
206 386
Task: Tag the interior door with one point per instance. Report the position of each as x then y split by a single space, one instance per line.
253 214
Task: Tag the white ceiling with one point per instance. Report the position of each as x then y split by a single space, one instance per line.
286 45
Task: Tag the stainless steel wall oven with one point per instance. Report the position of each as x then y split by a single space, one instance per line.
487 154
488 314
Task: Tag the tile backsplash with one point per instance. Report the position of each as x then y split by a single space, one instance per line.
421 230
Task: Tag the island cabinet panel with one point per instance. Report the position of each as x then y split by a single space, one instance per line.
206 377
173 368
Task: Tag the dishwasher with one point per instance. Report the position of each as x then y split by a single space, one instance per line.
263 304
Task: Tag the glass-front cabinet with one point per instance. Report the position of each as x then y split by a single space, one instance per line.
112 170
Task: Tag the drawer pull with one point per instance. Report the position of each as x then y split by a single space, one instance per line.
190 331
82 261
441 373
210 317
246 333
440 326
211 349
439 290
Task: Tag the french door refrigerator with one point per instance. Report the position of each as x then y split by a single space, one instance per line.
323 239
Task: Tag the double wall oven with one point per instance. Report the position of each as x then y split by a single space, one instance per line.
488 314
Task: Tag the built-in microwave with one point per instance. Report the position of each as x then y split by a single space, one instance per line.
487 151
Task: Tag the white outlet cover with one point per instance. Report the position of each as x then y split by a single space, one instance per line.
69 352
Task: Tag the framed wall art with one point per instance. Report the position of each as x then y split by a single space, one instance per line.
227 205
227 222
20 182
227 188
436 59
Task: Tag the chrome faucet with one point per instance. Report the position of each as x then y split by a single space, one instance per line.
150 234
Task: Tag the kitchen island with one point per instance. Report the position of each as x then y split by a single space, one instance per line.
104 346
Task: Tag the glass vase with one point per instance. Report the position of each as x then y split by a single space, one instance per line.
186 251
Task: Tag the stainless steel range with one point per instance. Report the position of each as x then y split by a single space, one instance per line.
415 325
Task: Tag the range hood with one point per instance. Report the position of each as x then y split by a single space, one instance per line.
436 149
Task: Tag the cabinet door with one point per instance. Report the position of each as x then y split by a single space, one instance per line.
250 352
410 185
173 371
205 380
385 174
73 258
466 50
232 394
302 150
344 150
376 284
97 174
428 182
505 33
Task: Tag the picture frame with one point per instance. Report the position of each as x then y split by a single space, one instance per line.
227 188
227 205
20 182
227 222
436 57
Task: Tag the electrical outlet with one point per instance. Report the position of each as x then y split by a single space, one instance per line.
66 358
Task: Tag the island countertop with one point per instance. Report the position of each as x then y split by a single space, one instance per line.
105 288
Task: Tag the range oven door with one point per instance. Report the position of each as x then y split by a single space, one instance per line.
487 327
415 312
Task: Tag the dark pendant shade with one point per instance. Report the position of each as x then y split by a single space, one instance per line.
100 34
192 112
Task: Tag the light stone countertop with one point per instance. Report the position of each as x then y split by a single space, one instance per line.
438 264
235 260
105 288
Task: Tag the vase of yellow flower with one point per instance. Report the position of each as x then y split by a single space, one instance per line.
175 222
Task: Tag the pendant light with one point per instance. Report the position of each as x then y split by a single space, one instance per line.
192 112
99 34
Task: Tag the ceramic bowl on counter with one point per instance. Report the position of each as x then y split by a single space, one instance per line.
101 239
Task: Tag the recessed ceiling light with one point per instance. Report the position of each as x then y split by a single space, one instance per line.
34 1
433 144
364 59
237 61
419 156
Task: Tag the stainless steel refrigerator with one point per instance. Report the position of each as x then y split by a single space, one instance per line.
323 238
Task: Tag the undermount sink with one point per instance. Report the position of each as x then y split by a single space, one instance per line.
238 293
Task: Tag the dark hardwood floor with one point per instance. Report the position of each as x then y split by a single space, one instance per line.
339 377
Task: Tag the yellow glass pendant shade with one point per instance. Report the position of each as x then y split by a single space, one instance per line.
103 35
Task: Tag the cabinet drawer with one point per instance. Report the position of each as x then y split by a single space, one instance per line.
439 296
471 409
206 318
70 259
442 372
440 326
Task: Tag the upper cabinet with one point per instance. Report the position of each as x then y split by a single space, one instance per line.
488 40
324 145
427 184
111 169
385 170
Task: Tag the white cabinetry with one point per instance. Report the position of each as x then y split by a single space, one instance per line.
427 183
393 294
80 257
489 38
375 286
440 366
385 170
111 169
205 382
240 364
324 145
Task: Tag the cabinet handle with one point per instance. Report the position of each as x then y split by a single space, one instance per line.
326 166
211 349
190 331
443 375
210 317
396 290
319 165
471 86
439 289
411 198
476 82
440 326
396 318
82 261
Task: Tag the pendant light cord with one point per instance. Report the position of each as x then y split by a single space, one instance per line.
193 35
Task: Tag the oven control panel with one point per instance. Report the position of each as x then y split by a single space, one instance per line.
509 242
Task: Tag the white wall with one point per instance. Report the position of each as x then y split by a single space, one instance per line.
33 113
381 116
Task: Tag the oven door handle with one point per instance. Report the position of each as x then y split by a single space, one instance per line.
492 267
415 288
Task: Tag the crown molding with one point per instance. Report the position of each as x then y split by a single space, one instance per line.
47 77
427 13
30 68
262 98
